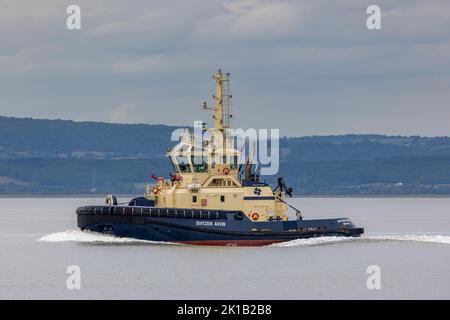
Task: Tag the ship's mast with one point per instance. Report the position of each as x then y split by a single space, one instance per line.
222 109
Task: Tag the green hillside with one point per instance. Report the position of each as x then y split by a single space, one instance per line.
60 156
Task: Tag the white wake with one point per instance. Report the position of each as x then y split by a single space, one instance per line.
362 239
90 237
93 237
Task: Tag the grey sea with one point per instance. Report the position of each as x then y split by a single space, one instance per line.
407 241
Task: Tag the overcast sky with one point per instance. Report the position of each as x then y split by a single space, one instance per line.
306 67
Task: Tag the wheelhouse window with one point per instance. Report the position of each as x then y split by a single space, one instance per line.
173 165
222 183
199 163
183 164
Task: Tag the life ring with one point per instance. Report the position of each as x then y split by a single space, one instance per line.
226 171
111 200
255 216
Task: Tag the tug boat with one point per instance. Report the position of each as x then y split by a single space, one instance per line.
212 198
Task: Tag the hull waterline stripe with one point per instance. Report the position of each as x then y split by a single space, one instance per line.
232 242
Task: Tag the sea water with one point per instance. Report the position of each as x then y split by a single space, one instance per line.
407 239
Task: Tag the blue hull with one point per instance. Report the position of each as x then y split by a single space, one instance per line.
205 227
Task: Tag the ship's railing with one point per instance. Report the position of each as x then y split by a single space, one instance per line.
209 214
239 177
203 178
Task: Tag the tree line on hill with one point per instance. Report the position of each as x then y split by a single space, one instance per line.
60 156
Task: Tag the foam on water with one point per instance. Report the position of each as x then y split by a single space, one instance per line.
93 237
362 239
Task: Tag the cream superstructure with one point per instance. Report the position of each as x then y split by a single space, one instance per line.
207 174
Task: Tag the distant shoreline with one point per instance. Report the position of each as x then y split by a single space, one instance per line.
48 158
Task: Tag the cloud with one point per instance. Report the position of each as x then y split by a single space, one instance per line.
250 20
304 66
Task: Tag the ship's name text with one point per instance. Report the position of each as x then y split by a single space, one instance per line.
210 223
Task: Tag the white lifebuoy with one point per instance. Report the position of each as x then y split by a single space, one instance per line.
111 200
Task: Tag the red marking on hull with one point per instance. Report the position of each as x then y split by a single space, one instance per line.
247 243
